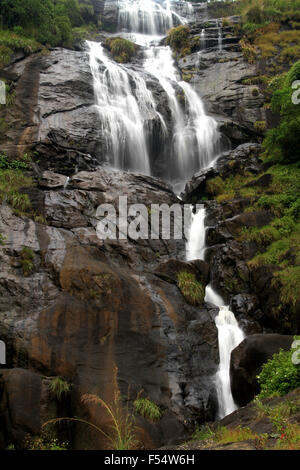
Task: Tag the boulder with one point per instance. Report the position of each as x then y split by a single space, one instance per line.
247 360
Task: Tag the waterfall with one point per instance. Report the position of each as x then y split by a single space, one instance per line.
229 333
125 104
121 112
220 37
148 16
230 336
66 182
195 246
202 39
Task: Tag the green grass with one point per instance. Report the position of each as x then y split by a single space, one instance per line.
11 181
191 289
148 409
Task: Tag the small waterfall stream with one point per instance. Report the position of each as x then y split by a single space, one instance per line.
230 334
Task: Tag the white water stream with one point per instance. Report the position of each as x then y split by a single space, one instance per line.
230 334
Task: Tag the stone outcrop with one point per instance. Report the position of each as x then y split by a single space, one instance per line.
247 360
99 313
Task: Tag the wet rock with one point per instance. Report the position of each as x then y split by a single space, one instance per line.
243 158
170 269
247 360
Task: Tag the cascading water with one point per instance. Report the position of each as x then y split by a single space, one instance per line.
203 39
121 111
148 16
229 333
124 101
230 336
220 36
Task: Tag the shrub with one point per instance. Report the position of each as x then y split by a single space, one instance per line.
248 50
191 289
279 375
147 409
27 260
178 39
59 387
122 50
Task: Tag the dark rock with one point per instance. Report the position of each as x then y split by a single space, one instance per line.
243 159
243 304
247 360
170 269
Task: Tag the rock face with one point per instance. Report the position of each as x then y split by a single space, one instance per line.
247 360
99 313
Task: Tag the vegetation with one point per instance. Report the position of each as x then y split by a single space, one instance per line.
121 434
27 260
59 387
178 39
26 24
279 375
282 142
43 442
191 289
121 49
147 409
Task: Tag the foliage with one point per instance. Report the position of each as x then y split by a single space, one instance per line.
27 260
26 23
6 164
191 289
248 50
282 142
59 388
43 442
122 49
11 181
279 375
147 409
178 39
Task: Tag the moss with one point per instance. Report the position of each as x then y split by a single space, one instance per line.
191 289
215 186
